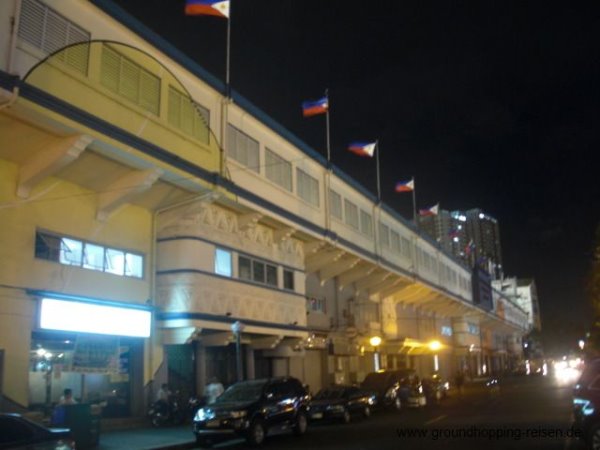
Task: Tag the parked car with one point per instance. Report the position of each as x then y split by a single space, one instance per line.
341 403
395 388
435 388
18 432
252 409
586 404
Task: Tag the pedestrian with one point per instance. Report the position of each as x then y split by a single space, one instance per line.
67 398
459 380
163 397
213 389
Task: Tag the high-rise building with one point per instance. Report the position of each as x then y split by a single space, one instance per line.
484 235
473 236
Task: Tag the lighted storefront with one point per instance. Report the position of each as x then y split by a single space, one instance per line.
93 348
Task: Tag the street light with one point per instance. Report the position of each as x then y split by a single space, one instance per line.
237 327
375 341
435 346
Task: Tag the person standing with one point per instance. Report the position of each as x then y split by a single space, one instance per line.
213 389
67 398
162 398
459 380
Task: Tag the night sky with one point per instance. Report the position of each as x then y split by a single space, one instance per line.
491 105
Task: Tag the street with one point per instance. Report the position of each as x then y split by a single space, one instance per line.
527 413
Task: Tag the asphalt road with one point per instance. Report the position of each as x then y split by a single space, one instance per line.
527 413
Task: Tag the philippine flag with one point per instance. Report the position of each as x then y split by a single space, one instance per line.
363 148
406 186
207 8
470 247
433 211
314 107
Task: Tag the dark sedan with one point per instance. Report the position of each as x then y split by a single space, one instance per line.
17 432
341 403
395 388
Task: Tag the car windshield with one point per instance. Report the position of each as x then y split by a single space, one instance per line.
375 379
329 394
247 391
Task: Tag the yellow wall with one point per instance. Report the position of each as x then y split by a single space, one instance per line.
66 209
87 93
16 318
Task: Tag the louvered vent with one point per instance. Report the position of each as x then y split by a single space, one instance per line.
48 31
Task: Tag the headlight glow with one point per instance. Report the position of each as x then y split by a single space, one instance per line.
204 414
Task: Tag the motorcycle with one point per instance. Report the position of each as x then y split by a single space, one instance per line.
162 413
194 404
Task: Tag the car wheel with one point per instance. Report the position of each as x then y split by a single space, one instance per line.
367 412
346 416
594 437
301 423
202 442
397 403
256 433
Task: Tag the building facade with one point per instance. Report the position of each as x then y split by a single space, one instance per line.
134 193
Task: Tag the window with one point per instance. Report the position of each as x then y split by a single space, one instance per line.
307 187
395 241
472 328
243 148
351 213
188 116
93 257
315 304
288 279
244 268
278 170
257 271
405 248
48 31
384 234
115 261
335 204
134 265
223 262
129 80
271 275
73 252
366 223
446 330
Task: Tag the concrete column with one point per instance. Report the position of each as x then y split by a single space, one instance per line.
200 359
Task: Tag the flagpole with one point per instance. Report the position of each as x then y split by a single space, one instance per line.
228 55
327 128
377 162
414 198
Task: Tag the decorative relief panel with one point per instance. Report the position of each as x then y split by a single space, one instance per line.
205 294
224 227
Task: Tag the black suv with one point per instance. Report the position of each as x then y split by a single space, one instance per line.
252 409
586 404
394 388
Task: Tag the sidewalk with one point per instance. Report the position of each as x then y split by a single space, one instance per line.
148 438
